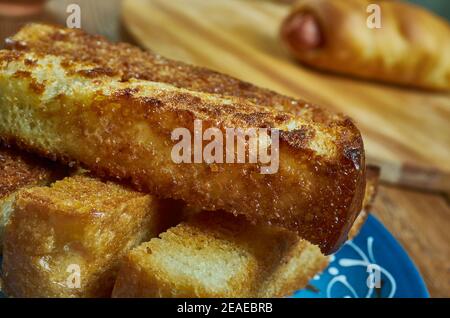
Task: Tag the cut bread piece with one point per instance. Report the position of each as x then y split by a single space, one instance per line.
67 240
293 271
218 255
65 101
212 255
21 170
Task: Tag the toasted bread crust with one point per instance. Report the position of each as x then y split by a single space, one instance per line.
372 181
129 62
268 261
215 255
298 266
19 169
79 221
92 106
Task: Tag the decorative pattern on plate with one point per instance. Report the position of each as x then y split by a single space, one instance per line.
367 263
373 256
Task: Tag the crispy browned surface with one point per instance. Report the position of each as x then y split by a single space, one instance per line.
372 181
19 169
90 101
301 263
78 221
249 261
127 61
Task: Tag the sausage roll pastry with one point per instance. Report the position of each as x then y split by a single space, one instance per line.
410 46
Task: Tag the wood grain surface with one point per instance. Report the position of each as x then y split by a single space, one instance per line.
406 132
419 220
421 223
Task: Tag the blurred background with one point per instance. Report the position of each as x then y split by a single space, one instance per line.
29 8
406 131
441 7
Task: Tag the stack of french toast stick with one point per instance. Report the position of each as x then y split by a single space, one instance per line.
92 203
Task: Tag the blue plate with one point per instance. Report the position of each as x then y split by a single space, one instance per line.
372 265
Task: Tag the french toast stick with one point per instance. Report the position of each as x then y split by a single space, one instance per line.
218 255
131 62
21 170
73 101
67 240
300 264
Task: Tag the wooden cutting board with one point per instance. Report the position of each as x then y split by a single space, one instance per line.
406 132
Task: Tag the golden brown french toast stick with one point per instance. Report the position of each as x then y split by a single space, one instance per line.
130 62
74 107
21 170
217 255
67 240
300 264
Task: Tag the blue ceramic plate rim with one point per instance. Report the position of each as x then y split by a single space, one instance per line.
422 289
405 266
